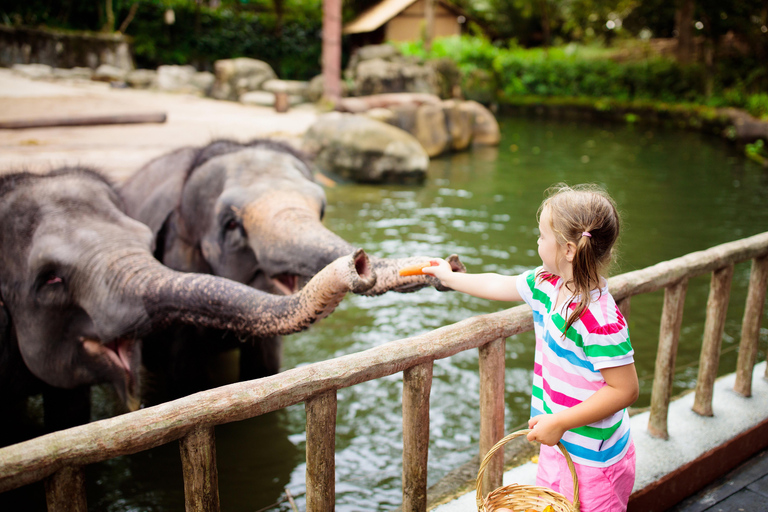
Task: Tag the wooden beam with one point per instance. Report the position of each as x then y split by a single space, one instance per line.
717 308
750 326
65 490
198 462
49 122
492 410
321 452
663 377
417 384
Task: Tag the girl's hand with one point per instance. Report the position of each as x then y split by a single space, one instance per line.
545 429
441 271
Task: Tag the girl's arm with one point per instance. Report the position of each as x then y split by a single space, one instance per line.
485 286
621 390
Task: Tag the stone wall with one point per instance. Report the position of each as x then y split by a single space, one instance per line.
21 45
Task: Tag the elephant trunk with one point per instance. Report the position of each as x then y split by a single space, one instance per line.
388 277
293 240
218 303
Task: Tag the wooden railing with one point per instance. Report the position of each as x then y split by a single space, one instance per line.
60 456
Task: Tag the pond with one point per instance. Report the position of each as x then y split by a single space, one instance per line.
678 192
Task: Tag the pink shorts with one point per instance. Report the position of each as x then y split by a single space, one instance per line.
600 489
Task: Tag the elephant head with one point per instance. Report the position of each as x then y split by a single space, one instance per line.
80 286
249 212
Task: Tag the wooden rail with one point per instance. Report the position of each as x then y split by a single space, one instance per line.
60 456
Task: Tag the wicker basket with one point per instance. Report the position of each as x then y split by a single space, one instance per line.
522 497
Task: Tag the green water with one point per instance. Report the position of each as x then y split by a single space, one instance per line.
678 192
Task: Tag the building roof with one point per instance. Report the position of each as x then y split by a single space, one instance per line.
376 16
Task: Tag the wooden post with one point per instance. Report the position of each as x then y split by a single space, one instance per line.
65 490
492 410
198 462
417 384
750 326
321 452
625 307
663 377
717 308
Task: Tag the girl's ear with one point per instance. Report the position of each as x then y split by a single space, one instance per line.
570 251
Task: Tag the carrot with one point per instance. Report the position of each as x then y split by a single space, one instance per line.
415 270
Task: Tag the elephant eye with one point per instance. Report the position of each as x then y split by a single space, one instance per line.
49 278
232 224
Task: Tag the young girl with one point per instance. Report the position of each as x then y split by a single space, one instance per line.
584 372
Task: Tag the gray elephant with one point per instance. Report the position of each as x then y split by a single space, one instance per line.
80 290
251 212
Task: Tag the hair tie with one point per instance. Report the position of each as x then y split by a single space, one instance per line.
587 233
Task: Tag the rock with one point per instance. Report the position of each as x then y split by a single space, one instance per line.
109 73
430 129
364 150
480 85
267 99
234 77
448 76
485 128
175 78
290 87
381 114
141 78
459 123
315 89
77 73
203 81
34 71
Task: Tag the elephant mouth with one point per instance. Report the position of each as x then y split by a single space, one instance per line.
118 354
287 284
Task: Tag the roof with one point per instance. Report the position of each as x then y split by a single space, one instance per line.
377 15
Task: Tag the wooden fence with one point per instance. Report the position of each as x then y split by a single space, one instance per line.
59 457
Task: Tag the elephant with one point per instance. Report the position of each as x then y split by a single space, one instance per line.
251 212
81 292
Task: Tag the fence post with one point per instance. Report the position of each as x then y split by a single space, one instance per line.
198 461
65 490
321 452
417 384
625 306
669 335
491 363
750 326
717 308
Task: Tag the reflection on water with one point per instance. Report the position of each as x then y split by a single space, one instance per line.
678 192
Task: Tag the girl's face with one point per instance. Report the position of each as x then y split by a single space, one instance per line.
551 252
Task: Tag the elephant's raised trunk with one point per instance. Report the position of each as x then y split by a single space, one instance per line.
219 303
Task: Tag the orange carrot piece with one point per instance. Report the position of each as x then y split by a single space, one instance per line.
415 270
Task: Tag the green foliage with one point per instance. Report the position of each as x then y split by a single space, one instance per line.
757 105
200 37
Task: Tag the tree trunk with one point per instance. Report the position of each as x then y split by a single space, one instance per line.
332 49
544 23
429 24
109 25
684 28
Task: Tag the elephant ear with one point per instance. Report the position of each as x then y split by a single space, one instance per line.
154 191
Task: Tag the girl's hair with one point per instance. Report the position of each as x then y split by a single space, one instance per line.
586 216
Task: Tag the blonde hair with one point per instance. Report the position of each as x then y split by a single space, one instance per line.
586 216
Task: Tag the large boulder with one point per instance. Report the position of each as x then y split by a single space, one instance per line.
365 150
485 127
235 77
380 69
430 129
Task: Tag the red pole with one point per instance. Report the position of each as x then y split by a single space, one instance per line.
332 49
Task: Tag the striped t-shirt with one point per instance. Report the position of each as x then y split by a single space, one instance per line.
567 369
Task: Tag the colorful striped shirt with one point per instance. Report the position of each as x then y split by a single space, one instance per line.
567 369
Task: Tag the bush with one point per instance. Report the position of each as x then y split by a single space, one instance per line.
757 105
200 37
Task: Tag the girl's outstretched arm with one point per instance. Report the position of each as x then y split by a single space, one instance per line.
621 390
485 286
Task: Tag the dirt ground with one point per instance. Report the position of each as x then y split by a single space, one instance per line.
119 150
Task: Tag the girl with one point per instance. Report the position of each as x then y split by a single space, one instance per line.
584 372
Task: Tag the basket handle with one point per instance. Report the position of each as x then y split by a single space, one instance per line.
505 440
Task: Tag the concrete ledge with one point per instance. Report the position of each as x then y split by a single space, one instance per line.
699 449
